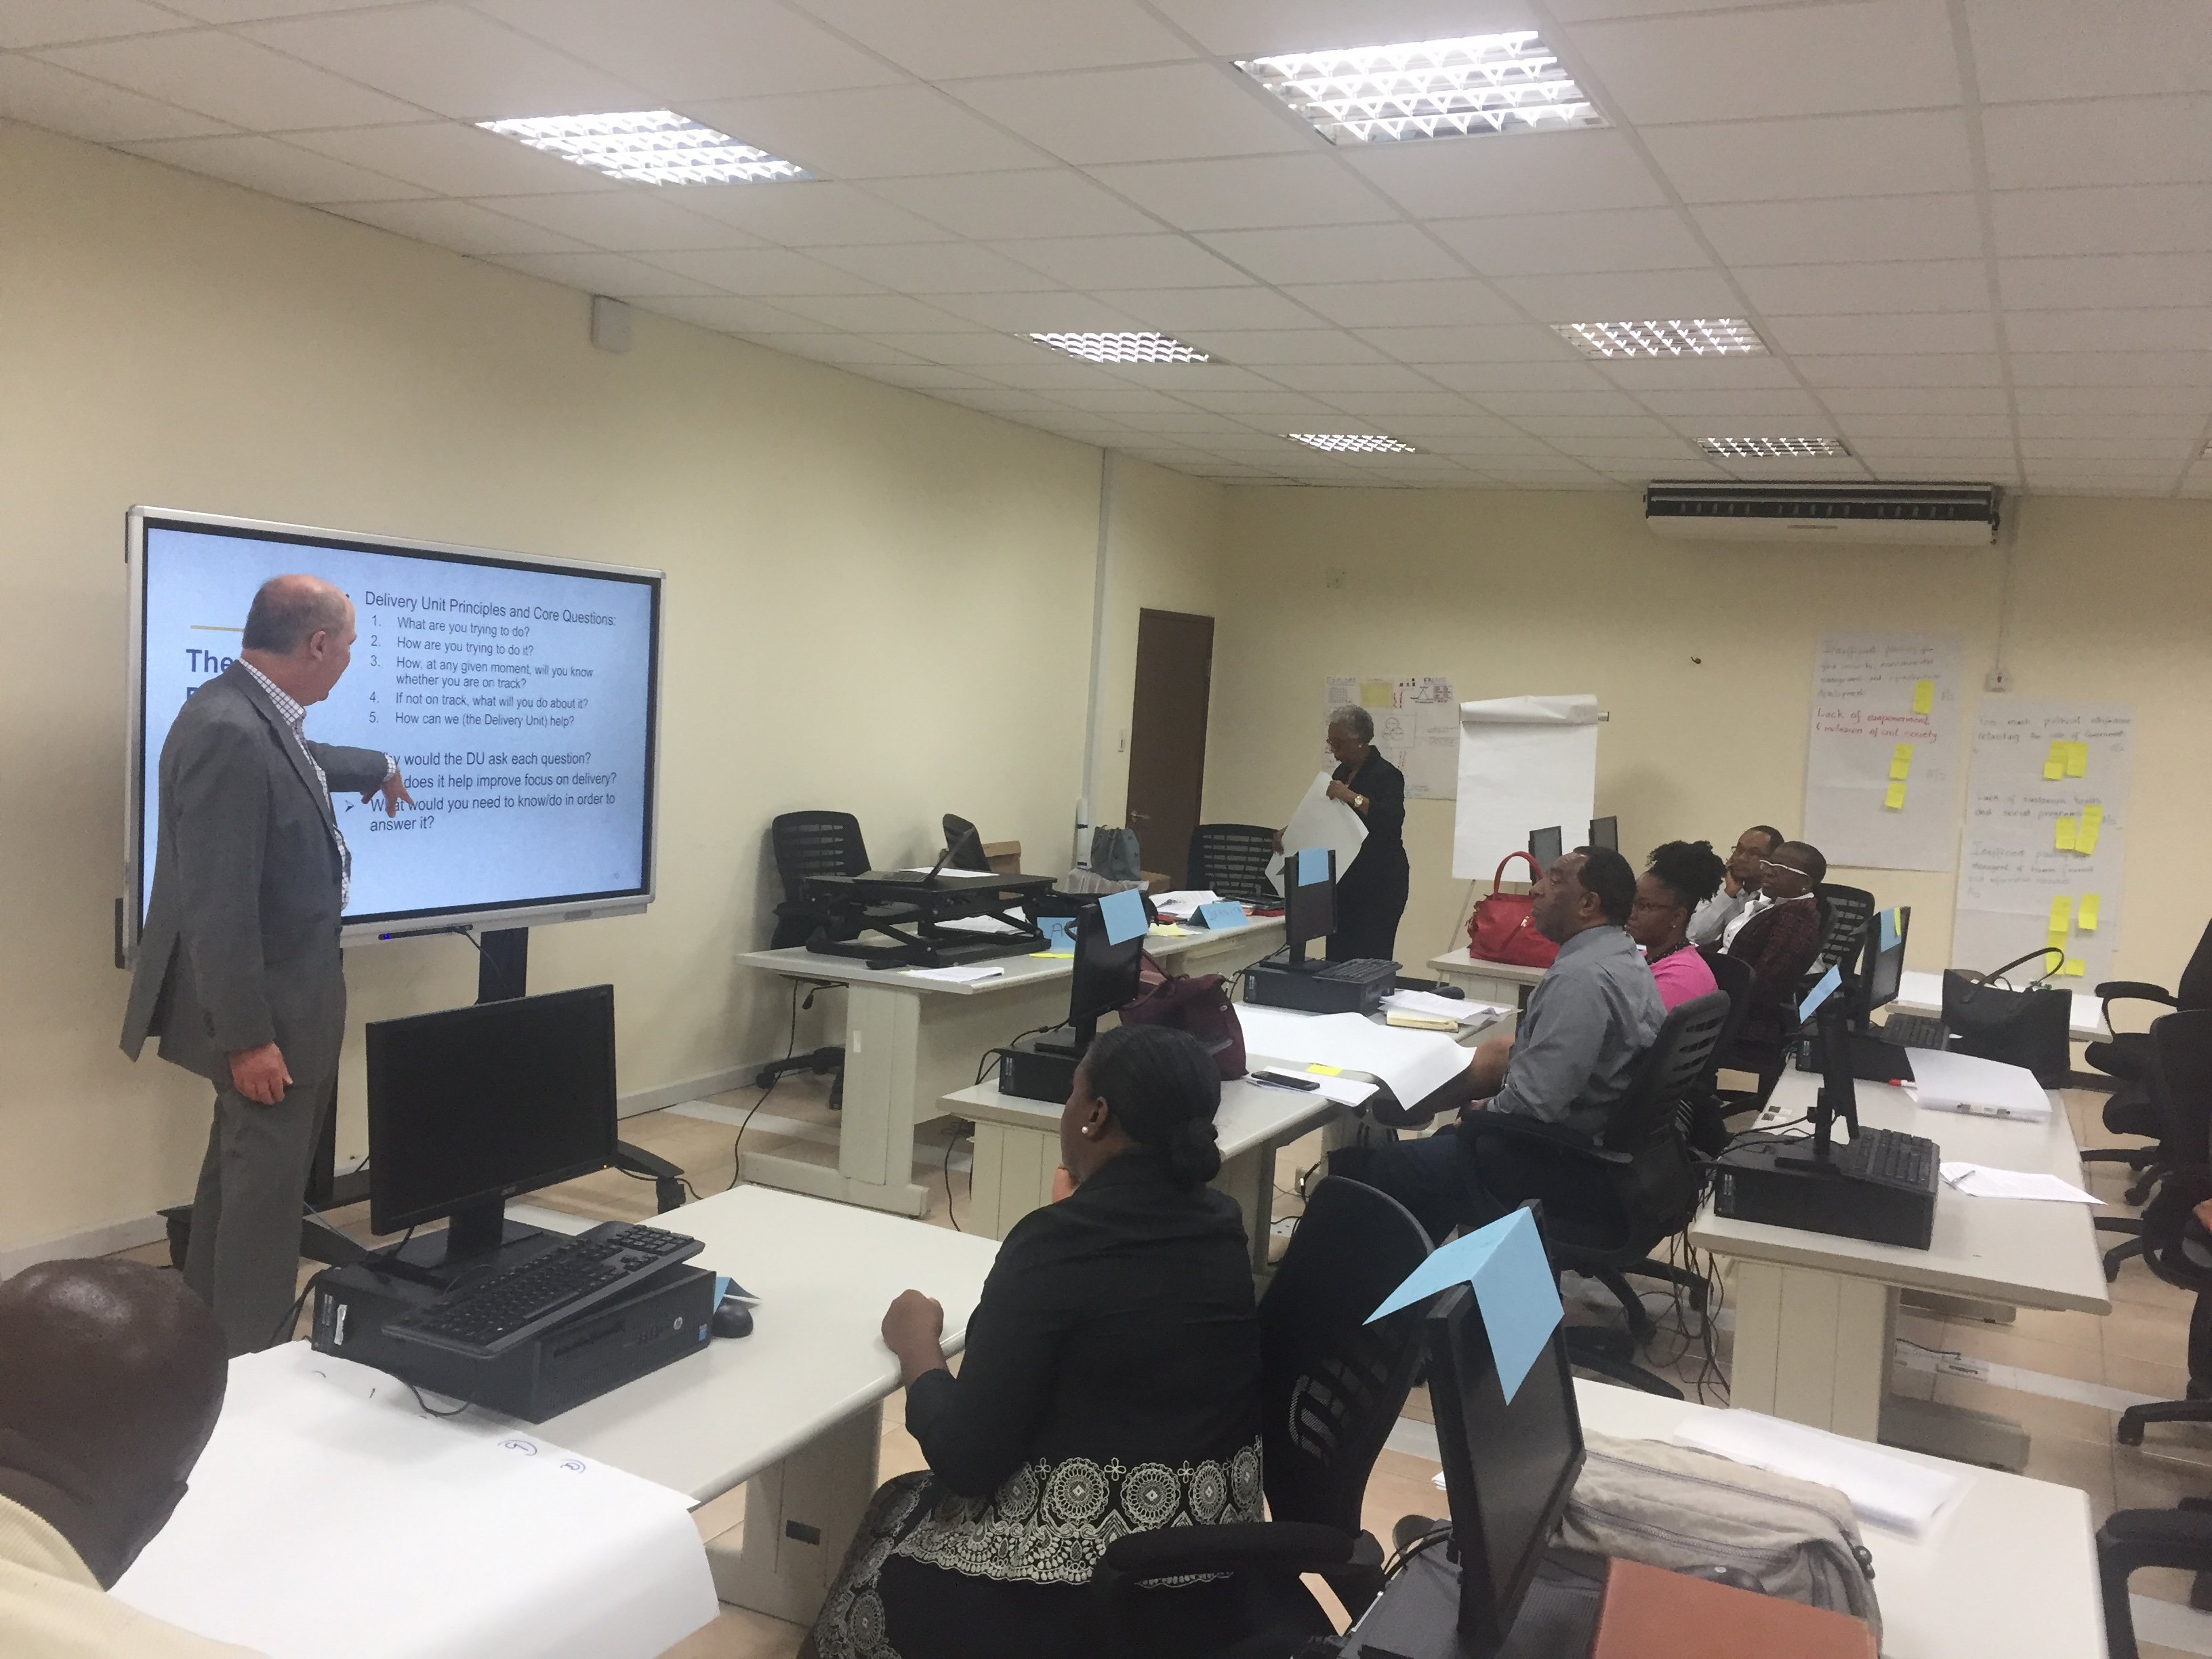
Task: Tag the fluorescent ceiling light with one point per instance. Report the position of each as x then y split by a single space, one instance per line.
1465 87
1699 337
1771 446
1359 443
653 146
1109 348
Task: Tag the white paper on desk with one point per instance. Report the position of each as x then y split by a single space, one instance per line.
1412 1064
967 975
1185 903
1980 1180
1458 1008
1342 1090
1885 1489
330 1519
980 925
1321 822
1953 1083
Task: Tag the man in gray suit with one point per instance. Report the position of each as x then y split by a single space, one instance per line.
239 972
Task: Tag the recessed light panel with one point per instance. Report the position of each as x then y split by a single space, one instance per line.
1108 348
652 146
1354 443
1466 87
1697 336
1764 448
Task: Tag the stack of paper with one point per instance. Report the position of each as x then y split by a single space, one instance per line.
967 975
1184 902
1979 1181
1457 1008
1412 1065
1961 1083
1902 1493
979 925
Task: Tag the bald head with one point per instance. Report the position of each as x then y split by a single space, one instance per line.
112 1374
300 632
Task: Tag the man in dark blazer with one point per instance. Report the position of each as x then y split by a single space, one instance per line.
239 972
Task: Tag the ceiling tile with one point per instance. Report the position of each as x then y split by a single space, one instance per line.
1844 402
1797 60
1892 331
250 11
1515 377
1250 193
1921 368
1842 289
1113 261
1609 403
987 206
2026 48
606 273
876 314
274 168
633 219
1739 406
1581 425
2106 280
936 268
1505 343
1260 406
453 160
2065 368
1391 405
1536 244
1591 170
230 80
2102 219
2134 454
1460 302
763 272
44 94
461 226
1861 228
1185 377
981 351
450 60
2072 399
1890 154
1260 347
817 214
1350 253
1946 449
1173 112
2155 431
1697 373
59 23
1599 298
1994 429
1326 379
870 132
1188 309
2179 329
955 38
855 350
2111 141
1045 311
679 50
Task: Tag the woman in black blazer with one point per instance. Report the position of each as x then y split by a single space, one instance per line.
1371 896
1111 1385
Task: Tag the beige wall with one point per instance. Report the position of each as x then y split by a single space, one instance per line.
859 577
1703 655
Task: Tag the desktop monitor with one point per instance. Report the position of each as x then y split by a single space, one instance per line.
1545 846
468 1107
1606 833
1309 899
1509 1464
1108 960
1884 972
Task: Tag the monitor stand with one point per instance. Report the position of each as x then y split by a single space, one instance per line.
477 1238
1298 962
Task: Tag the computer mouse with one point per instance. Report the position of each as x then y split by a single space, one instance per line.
732 1319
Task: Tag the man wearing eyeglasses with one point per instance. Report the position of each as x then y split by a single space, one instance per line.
1779 934
1710 920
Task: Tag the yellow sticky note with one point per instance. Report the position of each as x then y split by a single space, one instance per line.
1052 955
2077 760
1168 930
2054 764
1320 1070
1894 800
2062 915
1923 696
1377 694
2088 921
2065 835
1900 761
2073 968
2093 823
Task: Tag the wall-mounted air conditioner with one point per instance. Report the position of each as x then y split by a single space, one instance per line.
1937 514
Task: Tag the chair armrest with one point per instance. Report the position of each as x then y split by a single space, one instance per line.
1286 1546
2124 990
2133 1539
1535 1134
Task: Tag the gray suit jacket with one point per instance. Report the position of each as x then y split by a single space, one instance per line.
240 947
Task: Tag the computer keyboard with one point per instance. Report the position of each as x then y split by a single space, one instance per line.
1914 1031
1360 969
486 1319
1893 1158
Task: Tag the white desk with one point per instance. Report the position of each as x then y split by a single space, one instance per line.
1816 1315
909 1042
1017 1151
1500 982
2010 1568
1919 992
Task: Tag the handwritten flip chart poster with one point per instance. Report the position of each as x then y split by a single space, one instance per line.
1882 761
1416 726
2046 837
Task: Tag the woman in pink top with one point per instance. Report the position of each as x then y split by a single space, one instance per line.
1683 875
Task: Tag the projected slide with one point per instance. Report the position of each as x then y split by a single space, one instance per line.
517 697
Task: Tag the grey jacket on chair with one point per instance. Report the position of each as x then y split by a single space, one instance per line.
240 945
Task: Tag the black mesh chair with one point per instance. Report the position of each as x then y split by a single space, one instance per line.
2125 1058
1643 1183
1710 1106
1331 1390
811 844
1846 913
1231 859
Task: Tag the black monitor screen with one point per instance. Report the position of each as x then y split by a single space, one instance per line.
1309 897
1885 947
1606 833
1545 846
1106 974
1509 1464
478 1103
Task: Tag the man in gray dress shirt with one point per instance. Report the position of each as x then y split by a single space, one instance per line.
1589 1021
239 973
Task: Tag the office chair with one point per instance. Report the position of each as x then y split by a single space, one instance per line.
811 844
1644 1181
1846 914
964 846
1712 1106
2125 1057
2131 1539
1231 859
1331 1390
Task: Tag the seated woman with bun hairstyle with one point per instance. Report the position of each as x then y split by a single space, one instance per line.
1683 875
1111 1384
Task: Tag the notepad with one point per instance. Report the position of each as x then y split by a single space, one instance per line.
965 975
1979 1181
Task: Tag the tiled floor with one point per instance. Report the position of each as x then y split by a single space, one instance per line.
2064 1364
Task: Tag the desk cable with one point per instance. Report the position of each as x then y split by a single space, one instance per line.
790 1047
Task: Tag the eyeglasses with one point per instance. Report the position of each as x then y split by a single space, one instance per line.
1765 865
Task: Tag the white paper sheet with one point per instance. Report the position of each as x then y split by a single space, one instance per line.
331 1518
1184 902
1414 1065
1524 764
963 976
1458 1008
1953 1083
1885 1489
979 925
1980 1180
1344 1090
1321 822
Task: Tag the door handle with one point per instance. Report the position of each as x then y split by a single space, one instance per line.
1140 817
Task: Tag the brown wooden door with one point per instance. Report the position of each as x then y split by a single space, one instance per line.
1167 735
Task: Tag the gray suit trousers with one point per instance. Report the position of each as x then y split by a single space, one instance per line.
243 1257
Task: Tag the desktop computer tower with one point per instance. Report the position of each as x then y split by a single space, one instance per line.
1040 1066
607 1345
1752 1183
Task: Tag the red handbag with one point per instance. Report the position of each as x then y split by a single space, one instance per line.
1501 929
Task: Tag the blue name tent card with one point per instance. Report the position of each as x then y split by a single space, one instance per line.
1123 912
1313 865
1059 931
1889 929
1225 913
1504 1263
1819 993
